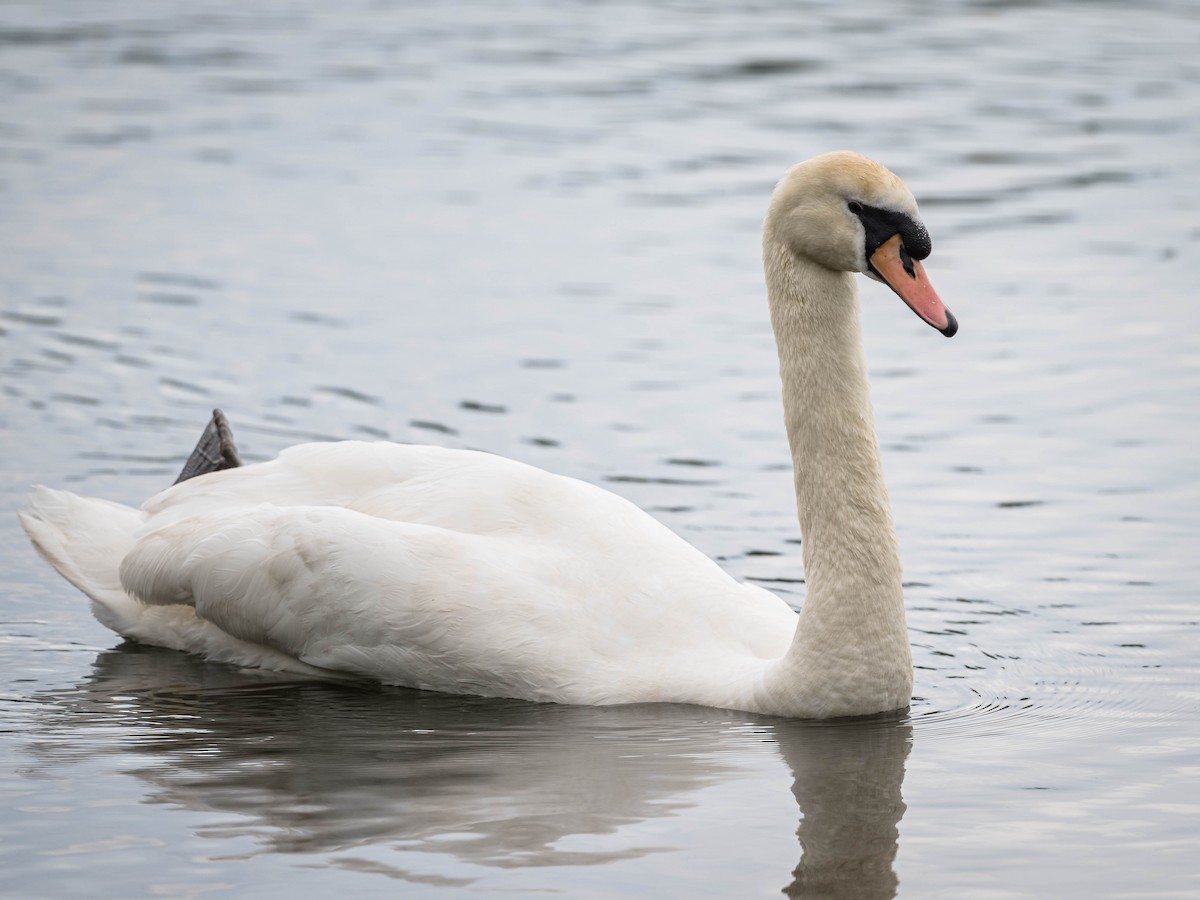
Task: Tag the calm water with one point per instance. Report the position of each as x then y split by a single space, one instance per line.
536 232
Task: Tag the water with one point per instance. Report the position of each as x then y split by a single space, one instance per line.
536 232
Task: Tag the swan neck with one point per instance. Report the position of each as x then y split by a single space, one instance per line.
852 621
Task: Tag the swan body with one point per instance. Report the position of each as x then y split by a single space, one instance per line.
464 572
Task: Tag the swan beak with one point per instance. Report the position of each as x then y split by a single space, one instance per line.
906 276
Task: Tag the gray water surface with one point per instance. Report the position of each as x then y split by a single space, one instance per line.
533 229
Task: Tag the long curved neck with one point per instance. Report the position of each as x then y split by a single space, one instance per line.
850 654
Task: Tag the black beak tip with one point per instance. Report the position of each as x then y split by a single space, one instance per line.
951 328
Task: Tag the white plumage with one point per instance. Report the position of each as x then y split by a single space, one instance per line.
464 572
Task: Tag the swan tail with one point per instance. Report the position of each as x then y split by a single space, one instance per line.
214 451
85 539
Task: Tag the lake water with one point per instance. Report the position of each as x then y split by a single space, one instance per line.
533 229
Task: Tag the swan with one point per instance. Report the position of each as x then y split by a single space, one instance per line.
464 572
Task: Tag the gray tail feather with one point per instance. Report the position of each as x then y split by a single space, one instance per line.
214 451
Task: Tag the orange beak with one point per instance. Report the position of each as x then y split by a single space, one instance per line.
906 276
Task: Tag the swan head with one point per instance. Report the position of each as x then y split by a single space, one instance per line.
848 213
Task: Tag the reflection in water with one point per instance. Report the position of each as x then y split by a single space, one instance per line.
314 768
847 785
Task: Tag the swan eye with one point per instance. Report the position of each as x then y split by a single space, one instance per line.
855 207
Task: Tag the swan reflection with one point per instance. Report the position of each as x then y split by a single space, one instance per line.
315 768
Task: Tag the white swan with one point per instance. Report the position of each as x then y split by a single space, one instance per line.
459 571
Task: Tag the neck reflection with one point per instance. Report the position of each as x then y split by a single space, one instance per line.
848 779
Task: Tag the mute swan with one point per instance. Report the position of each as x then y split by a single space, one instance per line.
459 571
